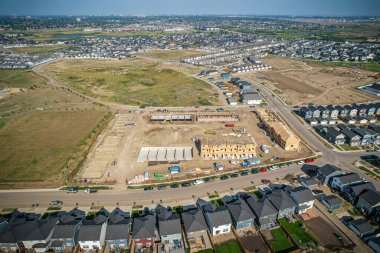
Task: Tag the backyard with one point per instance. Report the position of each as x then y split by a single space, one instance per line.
228 247
280 243
297 231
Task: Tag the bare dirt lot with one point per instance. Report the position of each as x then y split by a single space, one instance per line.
148 134
299 83
324 232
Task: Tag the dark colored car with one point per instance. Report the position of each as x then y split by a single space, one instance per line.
174 186
149 188
244 173
224 177
161 187
254 171
265 181
209 180
185 184
234 175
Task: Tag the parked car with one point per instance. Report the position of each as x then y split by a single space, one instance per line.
234 162
224 177
149 188
198 181
263 170
265 181
56 203
301 162
91 190
72 190
161 187
244 173
255 171
234 175
309 160
185 184
174 186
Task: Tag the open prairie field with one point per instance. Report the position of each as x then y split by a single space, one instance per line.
20 78
298 82
45 49
133 82
41 148
171 54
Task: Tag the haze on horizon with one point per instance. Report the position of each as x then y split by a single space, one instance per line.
192 7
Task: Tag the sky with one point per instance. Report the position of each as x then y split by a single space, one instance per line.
192 7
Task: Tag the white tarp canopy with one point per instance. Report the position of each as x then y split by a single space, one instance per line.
165 154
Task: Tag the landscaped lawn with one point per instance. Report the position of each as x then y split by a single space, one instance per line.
347 147
206 251
228 247
299 235
281 243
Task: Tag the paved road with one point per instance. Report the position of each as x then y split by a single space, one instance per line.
11 199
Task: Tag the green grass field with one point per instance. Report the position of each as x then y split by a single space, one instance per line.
133 82
228 247
205 251
20 78
280 243
296 231
46 49
171 54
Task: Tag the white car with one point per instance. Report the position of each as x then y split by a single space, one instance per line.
234 162
301 162
198 181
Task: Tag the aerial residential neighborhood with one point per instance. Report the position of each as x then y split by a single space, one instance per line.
189 126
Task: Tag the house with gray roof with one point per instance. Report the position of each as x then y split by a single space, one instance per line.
252 98
169 228
339 182
284 204
144 231
92 233
218 219
374 243
361 227
334 136
195 228
332 202
65 233
118 229
266 213
303 197
327 171
368 200
242 216
352 138
353 191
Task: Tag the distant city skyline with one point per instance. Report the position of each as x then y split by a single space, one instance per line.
192 7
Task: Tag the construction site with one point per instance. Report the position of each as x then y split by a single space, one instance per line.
146 146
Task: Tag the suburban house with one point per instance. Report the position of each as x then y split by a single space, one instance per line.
169 228
303 197
325 113
305 112
118 230
92 233
352 138
242 216
218 219
309 182
368 200
361 227
353 191
316 111
371 109
266 213
251 98
334 112
364 135
144 231
341 181
332 202
352 111
334 136
284 204
195 228
327 171
362 110
65 233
